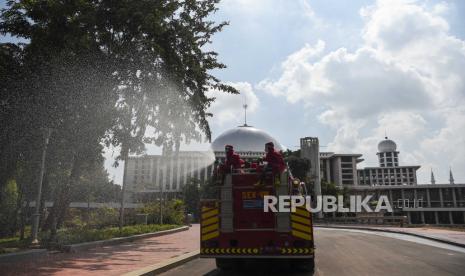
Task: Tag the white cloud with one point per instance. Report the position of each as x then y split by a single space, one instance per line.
298 75
407 78
227 108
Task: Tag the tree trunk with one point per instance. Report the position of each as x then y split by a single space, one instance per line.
22 226
63 199
125 156
18 211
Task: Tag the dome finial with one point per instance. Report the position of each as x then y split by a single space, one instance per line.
245 113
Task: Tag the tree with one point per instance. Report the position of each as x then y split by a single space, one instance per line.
195 190
163 71
330 188
64 84
94 185
126 72
191 196
299 166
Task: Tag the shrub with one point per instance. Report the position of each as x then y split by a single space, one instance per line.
9 197
76 235
173 211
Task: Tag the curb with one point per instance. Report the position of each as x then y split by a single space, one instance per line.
165 265
73 248
396 232
23 255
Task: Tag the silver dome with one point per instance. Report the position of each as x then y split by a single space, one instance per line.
387 145
244 139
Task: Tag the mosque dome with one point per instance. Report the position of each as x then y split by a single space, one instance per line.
387 145
244 139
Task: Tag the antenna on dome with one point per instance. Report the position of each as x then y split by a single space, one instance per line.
245 113
385 133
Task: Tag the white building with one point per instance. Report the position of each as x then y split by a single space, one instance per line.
169 173
340 169
159 173
389 172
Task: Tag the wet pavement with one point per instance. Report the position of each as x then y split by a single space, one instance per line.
353 252
339 252
435 233
110 260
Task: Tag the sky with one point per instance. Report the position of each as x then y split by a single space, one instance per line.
348 72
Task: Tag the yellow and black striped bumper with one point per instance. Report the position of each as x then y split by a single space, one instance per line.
301 223
209 223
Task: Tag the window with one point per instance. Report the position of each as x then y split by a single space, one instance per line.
346 159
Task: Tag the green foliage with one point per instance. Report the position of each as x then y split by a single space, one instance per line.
191 197
330 188
195 190
13 243
93 218
77 235
67 236
98 71
8 204
94 186
10 245
173 211
299 167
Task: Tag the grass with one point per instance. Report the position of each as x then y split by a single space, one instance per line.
79 235
10 245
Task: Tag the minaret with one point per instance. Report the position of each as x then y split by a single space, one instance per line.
433 181
451 177
388 155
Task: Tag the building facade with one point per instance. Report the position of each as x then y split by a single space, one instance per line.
388 172
422 204
167 173
152 174
340 169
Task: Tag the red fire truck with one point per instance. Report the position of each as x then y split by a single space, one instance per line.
234 225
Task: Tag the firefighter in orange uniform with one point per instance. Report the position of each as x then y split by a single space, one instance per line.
275 159
233 160
275 164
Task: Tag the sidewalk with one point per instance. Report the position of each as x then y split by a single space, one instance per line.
448 236
110 260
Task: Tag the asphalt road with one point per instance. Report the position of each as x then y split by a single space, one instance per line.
342 252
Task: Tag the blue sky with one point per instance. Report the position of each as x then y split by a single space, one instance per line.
405 95
347 72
